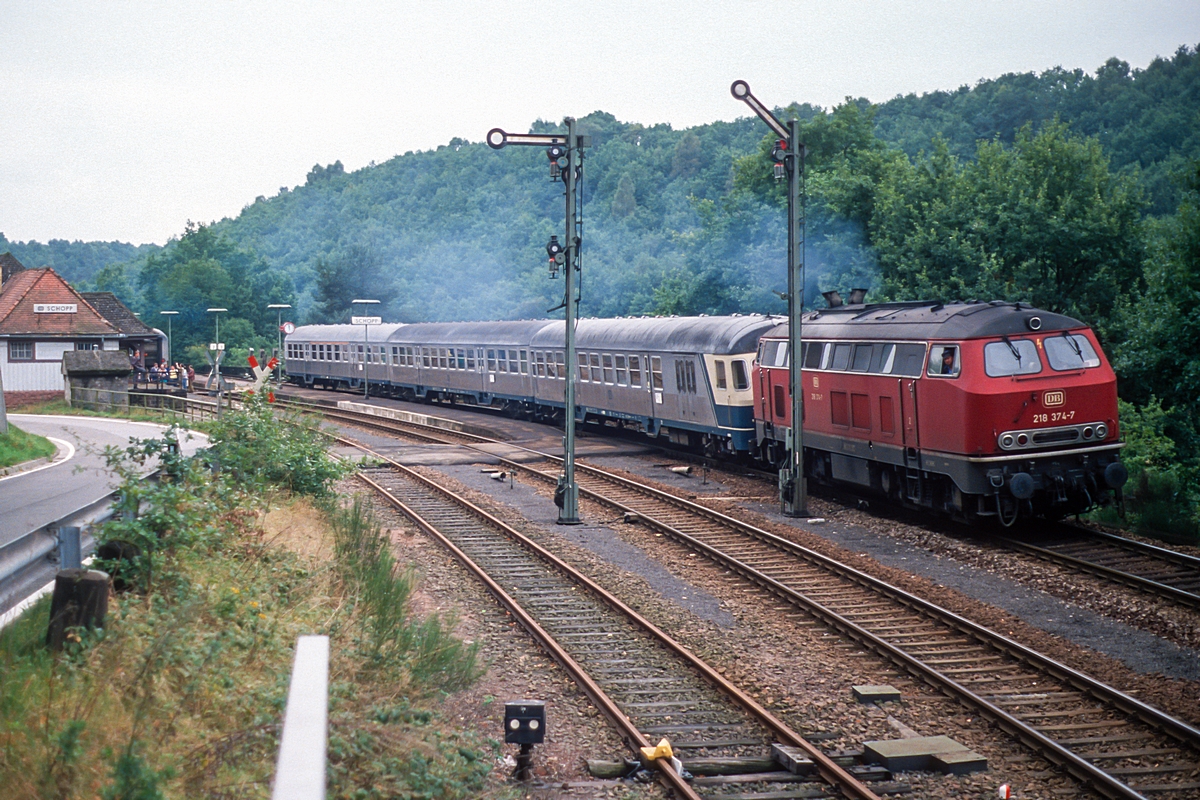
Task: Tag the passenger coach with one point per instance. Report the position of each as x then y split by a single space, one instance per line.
978 409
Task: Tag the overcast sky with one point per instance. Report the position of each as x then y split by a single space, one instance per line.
123 120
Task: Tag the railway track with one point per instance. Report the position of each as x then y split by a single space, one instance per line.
1107 740
1154 570
645 683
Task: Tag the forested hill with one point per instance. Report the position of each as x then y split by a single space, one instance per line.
79 261
1149 118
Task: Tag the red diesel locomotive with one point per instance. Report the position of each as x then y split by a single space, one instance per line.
975 409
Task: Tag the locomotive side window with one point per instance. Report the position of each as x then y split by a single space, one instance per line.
814 352
881 358
608 369
1011 357
862 358
909 360
1070 351
635 370
656 372
780 401
943 361
622 371
721 381
741 380
841 356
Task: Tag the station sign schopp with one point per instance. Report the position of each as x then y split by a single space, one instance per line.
56 308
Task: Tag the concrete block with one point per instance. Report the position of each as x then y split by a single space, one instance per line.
791 758
960 763
876 694
925 753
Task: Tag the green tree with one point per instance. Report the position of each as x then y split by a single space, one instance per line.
1044 221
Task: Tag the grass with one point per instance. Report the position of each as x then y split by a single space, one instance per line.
17 447
181 693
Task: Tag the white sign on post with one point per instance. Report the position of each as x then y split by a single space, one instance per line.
56 308
366 320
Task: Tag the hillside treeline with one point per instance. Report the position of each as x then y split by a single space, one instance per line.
1073 191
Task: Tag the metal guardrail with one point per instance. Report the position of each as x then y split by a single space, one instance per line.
179 406
300 767
60 544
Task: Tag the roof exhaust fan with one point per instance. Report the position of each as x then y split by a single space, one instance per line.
832 298
857 296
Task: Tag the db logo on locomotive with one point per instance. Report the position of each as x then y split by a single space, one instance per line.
1052 399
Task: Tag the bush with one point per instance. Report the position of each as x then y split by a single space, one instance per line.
1160 495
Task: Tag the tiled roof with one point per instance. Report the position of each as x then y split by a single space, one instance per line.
23 290
117 313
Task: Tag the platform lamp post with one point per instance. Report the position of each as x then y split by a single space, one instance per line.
216 348
279 307
788 154
170 343
566 162
366 322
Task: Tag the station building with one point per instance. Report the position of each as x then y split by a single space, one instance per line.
42 317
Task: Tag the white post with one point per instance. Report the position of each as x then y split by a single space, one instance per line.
300 768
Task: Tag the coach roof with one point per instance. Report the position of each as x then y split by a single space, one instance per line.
716 335
506 332
929 320
343 333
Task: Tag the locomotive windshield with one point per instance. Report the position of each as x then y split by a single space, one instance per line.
1011 357
1070 351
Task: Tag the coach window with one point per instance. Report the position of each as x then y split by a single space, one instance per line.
1070 351
741 380
583 370
524 362
679 376
560 365
722 383
862 358
622 370
539 363
635 371
608 369
491 360
1011 357
462 358
841 356
943 361
689 374
656 372
594 362
471 359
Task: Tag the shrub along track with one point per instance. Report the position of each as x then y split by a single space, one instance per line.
645 683
1107 740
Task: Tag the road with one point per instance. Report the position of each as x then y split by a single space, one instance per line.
80 476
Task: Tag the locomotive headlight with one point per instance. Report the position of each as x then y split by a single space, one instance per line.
1101 431
1088 432
1006 441
1022 439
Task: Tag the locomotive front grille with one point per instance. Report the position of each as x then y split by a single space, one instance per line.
1032 438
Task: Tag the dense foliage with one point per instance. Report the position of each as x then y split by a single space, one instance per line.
1077 192
180 694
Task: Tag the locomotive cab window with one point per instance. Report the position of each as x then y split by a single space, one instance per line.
841 356
943 361
1011 357
1070 351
